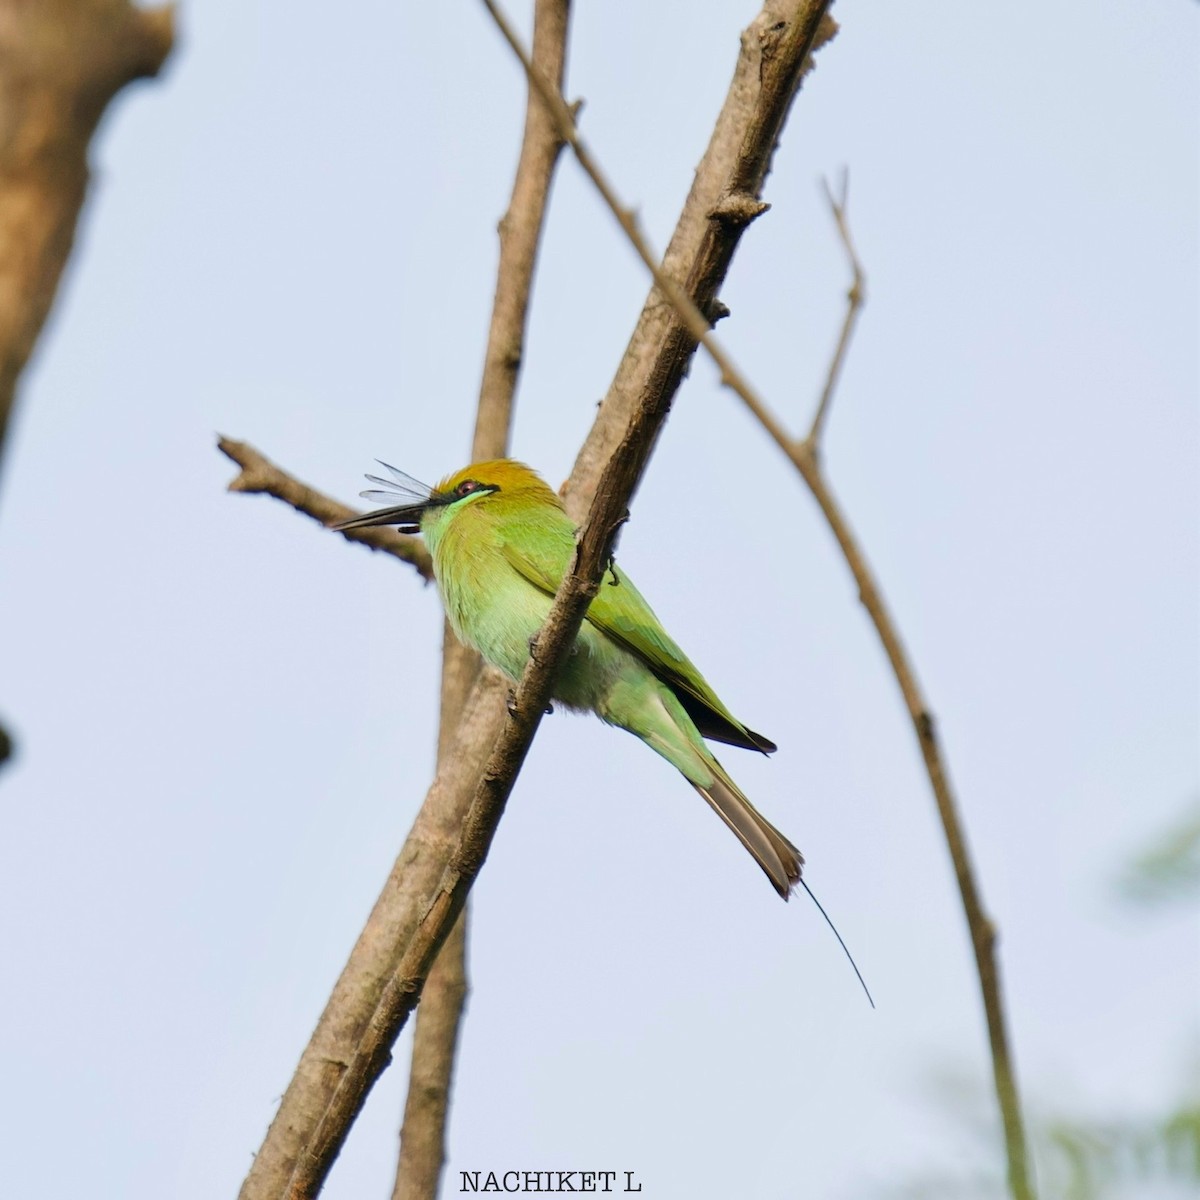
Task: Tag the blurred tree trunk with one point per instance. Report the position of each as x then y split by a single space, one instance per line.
61 62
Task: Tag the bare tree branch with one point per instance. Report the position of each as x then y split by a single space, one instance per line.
261 476
435 1034
369 1004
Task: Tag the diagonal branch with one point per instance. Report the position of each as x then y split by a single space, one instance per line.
494 784
981 927
293 1160
724 198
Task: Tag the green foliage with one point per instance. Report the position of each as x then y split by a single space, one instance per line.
1169 869
1085 1157
1094 1161
1079 1158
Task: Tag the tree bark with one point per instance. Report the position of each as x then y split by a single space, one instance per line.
61 62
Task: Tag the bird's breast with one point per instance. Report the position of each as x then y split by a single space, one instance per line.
490 606
497 611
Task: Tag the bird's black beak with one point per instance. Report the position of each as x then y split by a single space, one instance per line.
406 516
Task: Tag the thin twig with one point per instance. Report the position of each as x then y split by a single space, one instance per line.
856 297
261 476
982 930
804 454
436 1029
765 82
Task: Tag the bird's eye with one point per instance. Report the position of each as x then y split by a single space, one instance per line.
466 487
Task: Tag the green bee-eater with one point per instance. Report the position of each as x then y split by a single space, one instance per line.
501 542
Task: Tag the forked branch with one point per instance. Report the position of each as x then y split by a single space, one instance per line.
804 454
856 297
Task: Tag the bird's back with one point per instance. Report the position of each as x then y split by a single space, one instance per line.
540 551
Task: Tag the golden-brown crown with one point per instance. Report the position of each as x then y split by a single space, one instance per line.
509 477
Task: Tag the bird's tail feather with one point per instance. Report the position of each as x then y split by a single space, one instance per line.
779 859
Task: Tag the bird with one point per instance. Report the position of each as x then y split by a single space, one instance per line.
501 542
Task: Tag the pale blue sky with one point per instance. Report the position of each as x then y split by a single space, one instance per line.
226 718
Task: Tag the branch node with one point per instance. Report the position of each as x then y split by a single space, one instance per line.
808 450
716 310
533 648
856 297
738 209
926 727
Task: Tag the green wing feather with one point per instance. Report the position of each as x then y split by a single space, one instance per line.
542 556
